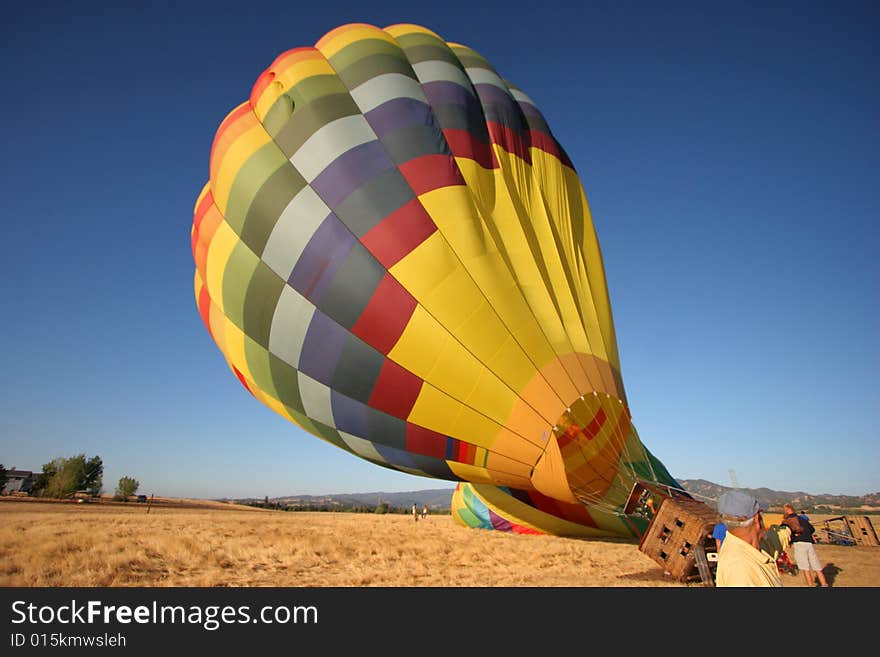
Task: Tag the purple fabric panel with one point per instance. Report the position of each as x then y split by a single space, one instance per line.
350 415
397 113
449 93
529 109
322 348
498 522
351 170
489 93
326 251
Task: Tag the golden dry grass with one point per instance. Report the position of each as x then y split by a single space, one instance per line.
45 544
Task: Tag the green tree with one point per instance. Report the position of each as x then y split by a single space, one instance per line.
65 476
127 487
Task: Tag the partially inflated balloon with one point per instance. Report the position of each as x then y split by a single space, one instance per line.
394 253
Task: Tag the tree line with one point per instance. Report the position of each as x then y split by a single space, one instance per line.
66 476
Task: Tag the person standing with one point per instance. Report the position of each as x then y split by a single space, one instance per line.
424 511
415 512
802 543
741 561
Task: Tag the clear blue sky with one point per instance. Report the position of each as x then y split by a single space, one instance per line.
730 153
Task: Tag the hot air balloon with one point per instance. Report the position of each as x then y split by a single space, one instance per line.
394 253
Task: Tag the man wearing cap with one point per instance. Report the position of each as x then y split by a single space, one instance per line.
741 562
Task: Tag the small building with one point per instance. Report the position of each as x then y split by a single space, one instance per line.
18 482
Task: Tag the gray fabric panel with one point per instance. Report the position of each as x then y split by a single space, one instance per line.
372 202
268 205
310 118
358 368
370 67
414 141
386 429
352 287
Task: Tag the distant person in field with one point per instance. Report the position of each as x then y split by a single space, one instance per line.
424 511
741 561
802 533
415 512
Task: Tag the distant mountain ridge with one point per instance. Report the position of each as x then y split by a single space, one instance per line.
438 499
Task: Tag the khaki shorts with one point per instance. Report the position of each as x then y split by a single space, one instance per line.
806 557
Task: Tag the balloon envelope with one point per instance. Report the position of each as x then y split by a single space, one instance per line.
394 253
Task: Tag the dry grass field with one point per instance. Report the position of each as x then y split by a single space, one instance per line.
193 544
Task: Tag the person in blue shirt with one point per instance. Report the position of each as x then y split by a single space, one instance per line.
719 531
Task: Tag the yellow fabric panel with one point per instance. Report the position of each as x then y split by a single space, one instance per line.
245 145
217 320
592 257
497 401
539 395
500 464
454 214
425 266
557 187
599 373
576 373
400 29
470 472
484 336
549 476
337 39
234 348
526 273
276 406
448 365
288 74
219 251
439 412
512 446
510 211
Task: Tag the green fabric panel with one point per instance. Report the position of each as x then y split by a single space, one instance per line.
259 304
374 66
286 384
255 171
279 114
362 49
303 420
357 370
308 119
419 54
315 87
257 358
468 518
330 434
470 58
236 279
268 204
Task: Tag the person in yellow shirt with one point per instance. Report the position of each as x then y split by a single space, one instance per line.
741 561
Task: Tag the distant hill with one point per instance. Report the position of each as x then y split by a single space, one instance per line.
708 492
438 499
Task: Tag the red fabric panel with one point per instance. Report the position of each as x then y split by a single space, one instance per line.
431 172
424 441
386 315
399 233
395 391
